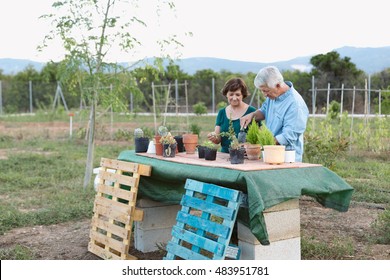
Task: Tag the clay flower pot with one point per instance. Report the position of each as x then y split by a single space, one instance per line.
253 151
159 147
190 142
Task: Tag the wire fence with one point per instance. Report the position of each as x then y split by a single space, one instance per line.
179 97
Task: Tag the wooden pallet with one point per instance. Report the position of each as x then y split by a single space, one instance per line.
114 208
205 222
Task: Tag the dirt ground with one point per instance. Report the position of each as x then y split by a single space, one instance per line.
69 241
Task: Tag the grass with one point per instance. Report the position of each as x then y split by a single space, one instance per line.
41 179
338 249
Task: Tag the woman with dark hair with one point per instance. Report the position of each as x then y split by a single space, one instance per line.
235 90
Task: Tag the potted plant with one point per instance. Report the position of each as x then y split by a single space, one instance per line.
161 131
236 150
253 145
273 154
169 145
210 151
201 149
190 140
141 142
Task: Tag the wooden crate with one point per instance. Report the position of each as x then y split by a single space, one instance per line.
205 222
114 208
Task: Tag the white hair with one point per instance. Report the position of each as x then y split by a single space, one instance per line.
268 76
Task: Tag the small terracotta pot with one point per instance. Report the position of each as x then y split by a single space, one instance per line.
159 147
190 142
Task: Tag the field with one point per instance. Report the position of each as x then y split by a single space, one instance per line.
45 213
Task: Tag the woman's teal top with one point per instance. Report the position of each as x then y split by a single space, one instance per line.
223 122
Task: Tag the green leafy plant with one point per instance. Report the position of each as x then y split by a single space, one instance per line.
200 108
253 135
231 135
195 129
210 145
266 137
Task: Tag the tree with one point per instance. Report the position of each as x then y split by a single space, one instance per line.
91 30
331 68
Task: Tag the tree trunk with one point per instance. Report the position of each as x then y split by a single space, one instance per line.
91 146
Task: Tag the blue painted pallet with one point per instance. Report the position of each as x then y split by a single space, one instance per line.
204 223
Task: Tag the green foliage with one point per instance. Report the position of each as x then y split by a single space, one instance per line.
334 109
49 191
330 67
325 151
195 129
338 249
385 102
210 145
253 135
122 134
221 105
382 228
200 108
17 252
231 135
266 136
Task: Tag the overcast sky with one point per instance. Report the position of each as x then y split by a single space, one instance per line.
250 30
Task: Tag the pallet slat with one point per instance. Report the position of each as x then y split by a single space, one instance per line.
114 209
206 234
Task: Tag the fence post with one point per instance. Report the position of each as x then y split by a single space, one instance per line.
313 100
369 94
213 95
176 97
327 100
342 99
380 102
1 98
353 110
30 94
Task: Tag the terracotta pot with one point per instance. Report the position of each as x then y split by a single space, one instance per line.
159 147
253 151
274 154
190 142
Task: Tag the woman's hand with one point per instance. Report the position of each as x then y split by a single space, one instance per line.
214 137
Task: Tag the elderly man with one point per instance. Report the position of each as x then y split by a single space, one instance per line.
284 110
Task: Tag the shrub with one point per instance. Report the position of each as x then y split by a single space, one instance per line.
382 228
253 134
200 108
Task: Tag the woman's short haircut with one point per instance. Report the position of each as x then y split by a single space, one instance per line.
235 84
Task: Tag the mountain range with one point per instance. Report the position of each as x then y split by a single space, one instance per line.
370 60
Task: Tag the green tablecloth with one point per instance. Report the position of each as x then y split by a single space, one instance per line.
265 188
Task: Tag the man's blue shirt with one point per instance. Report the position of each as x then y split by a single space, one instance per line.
286 117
